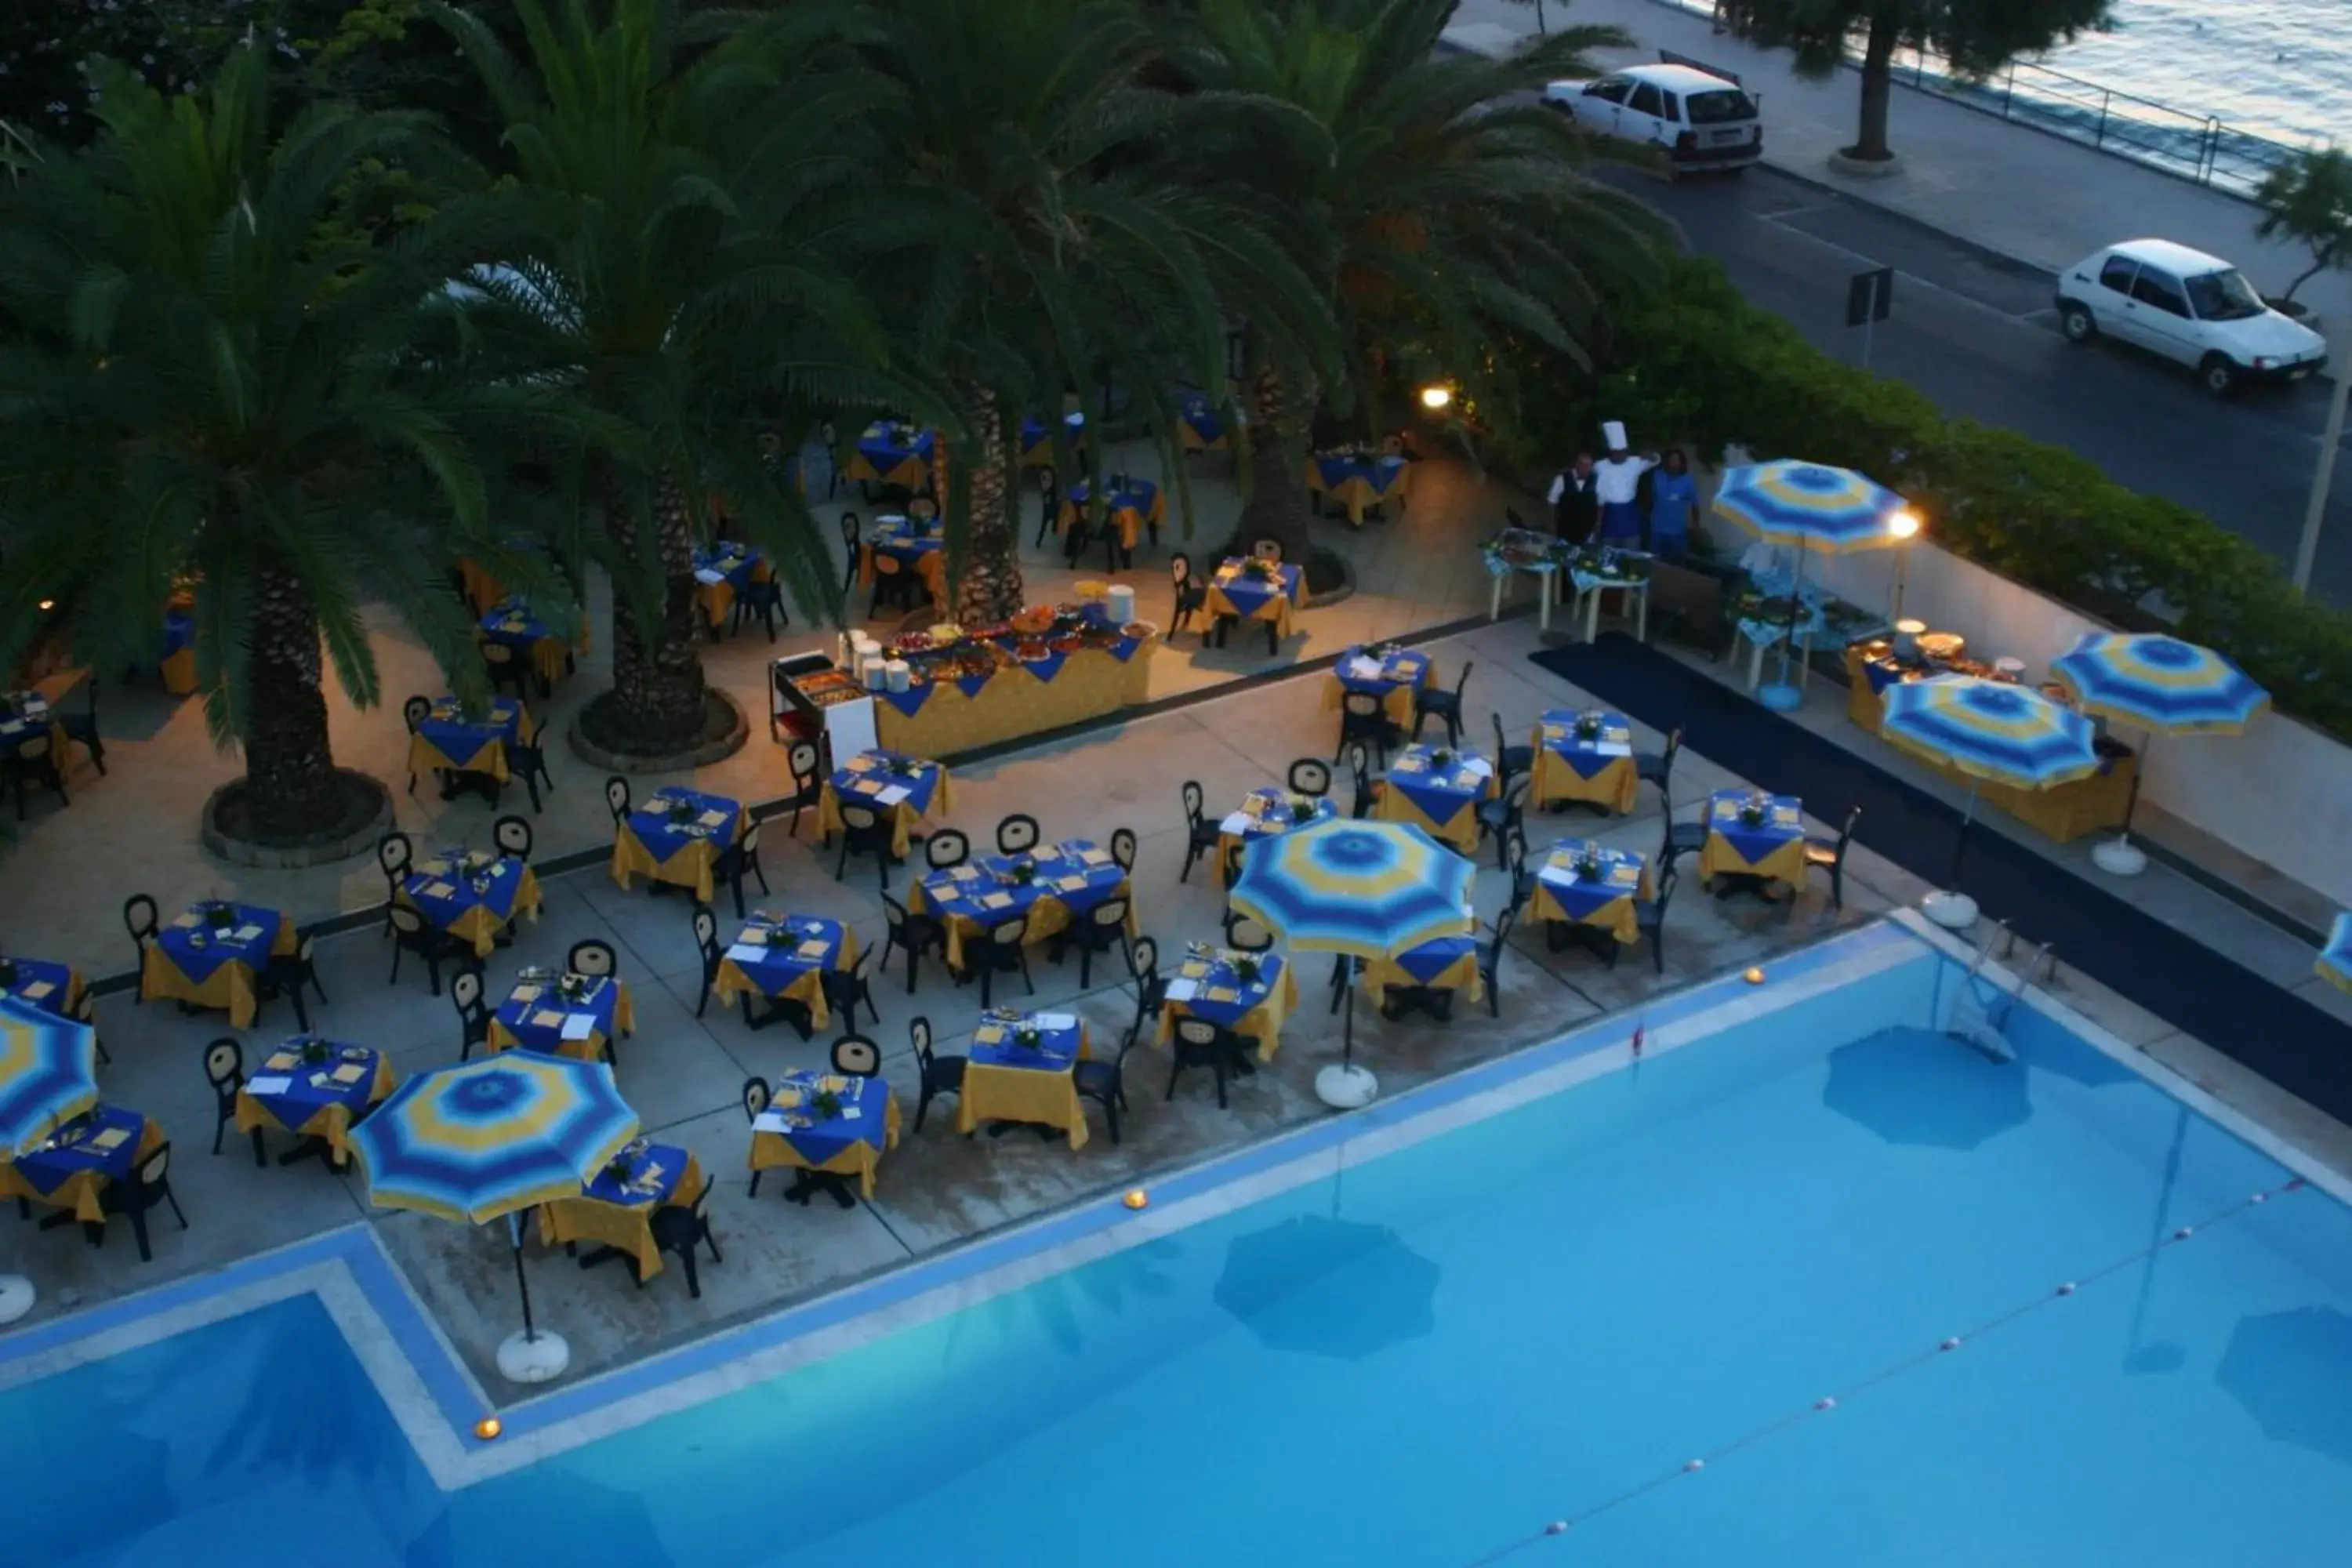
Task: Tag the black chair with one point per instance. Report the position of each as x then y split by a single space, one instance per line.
738 860
1681 839
1234 860
1122 849
1049 496
1150 988
680 1230
411 932
1244 933
1515 861
85 1011
756 1096
594 958
1439 703
895 584
513 835
844 989
939 1075
856 1056
473 1013
706 940
803 760
1650 917
224 1070
763 597
1267 549
866 831
289 975
1201 835
1192 595
850 540
1364 717
140 919
1017 834
946 849
616 799
1490 955
911 934
1360 766
395 854
414 713
83 726
1504 815
1510 760
1658 767
830 440
1102 929
30 760
1829 855
1004 951
150 1185
506 672
1311 776
1197 1043
528 761
1105 1083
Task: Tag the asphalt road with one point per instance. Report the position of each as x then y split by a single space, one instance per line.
1978 336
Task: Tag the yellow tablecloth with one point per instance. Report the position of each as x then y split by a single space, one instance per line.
1129 520
1014 702
1262 1023
592 1049
806 988
482 591
230 987
931 566
180 672
717 600
425 757
1278 609
333 1122
903 816
688 867
1786 861
79 1191
479 925
1616 917
1461 831
1023 1094
627 1228
773 1151
1616 786
1356 492
1461 975
1396 703
911 472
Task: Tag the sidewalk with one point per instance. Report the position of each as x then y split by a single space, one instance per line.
2024 193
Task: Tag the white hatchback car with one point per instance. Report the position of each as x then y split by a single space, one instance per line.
2186 305
1697 120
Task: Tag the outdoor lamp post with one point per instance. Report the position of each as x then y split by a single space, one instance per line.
1436 397
2323 477
1904 526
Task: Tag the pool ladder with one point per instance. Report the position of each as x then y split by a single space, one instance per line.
1981 1021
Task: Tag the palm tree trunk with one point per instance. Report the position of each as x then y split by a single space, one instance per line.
990 589
1277 508
658 686
289 766
1877 88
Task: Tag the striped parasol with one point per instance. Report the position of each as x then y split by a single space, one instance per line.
2159 684
2335 962
48 1073
1810 507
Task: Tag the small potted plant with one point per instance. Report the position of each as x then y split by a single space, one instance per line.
1752 811
1587 864
8 973
1029 1037
314 1052
681 812
1442 758
904 767
825 1104
618 1169
572 987
1021 873
1588 726
1246 968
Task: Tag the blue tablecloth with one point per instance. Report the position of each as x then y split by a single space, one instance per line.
905 540
779 966
884 449
1036 434
1784 820
1095 874
179 631
1250 994
1431 958
444 893
1586 758
1203 421
1249 822
310 1089
20 721
106 1140
516 1014
1337 468
1404 668
1250 594
1607 567
53 982
654 1170
459 739
663 838
1136 496
513 623
869 774
732 564
1579 900
1056 1050
198 949
864 1115
1439 794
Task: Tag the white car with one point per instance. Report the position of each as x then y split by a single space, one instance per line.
2186 306
1697 120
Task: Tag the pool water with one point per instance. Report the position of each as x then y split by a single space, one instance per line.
1540 1317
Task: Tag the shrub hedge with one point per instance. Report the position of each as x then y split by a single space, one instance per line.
1693 356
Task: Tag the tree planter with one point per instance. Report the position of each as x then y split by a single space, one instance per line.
228 833
1843 162
724 730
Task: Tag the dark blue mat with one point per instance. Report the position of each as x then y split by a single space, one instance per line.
2277 1034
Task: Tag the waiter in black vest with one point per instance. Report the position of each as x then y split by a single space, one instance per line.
1575 500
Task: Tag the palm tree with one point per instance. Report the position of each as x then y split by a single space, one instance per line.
1434 200
198 380
1051 246
685 269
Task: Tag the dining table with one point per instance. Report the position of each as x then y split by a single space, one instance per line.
1438 789
1589 887
1270 595
1021 1068
1754 839
451 739
838 1124
70 1170
513 623
677 836
1393 675
1359 481
614 1211
784 959
1584 756
910 789
721 571
473 895
211 957
1131 504
1247 994
576 1016
315 1090
889 453
1051 885
901 543
1267 812
55 988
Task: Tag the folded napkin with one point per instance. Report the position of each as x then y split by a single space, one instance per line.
748 952
579 1026
276 1083
351 1072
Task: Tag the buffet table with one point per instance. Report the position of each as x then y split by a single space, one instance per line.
1053 667
2065 812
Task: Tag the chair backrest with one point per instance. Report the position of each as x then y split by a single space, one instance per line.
1244 932
155 1167
1009 936
1143 959
922 508
512 836
849 532
756 1096
857 1055
1503 923
465 990
945 847
1515 858
396 854
1110 913
706 930
1463 679
1360 704
1502 742
1266 549
497 653
1666 881
32 748
1515 801
139 917
894 913
1179 570
1673 744
1045 477
1196 1031
1122 848
405 920
1311 775
305 950
415 711
594 958
224 1063
1195 800
1845 834
919 1034
859 818
616 797
1017 833
749 845
801 756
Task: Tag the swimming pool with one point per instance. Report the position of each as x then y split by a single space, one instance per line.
1540 1314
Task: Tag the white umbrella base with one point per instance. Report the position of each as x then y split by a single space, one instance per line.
2119 857
1346 1088
1953 911
1781 697
17 1297
540 1359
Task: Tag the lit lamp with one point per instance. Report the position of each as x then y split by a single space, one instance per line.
1436 397
1904 526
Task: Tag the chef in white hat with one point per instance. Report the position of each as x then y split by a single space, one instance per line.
1617 478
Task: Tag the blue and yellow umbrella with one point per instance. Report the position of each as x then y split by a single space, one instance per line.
1361 890
1810 507
493 1137
1988 730
48 1073
2159 684
2335 963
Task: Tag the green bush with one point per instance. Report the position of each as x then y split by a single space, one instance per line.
1693 357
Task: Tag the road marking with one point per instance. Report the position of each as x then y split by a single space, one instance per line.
1868 261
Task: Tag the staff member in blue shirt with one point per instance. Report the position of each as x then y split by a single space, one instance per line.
1673 505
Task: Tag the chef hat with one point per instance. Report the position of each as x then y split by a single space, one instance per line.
1613 433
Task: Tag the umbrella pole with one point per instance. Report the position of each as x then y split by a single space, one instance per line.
2119 857
1949 907
1344 1086
529 1356
522 1276
1782 696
